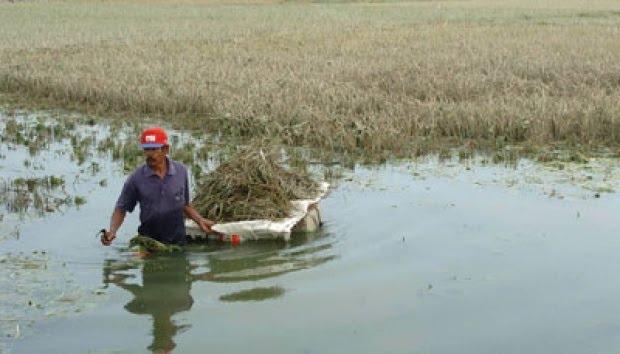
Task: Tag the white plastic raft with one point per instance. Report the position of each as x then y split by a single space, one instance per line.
305 216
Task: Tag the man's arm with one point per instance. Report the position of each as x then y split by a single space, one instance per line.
204 224
118 216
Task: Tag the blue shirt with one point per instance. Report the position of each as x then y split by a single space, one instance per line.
162 201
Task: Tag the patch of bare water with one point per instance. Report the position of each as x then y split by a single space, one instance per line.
427 256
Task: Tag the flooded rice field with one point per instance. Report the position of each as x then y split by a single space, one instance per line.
428 256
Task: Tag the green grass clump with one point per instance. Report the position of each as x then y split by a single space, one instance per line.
147 244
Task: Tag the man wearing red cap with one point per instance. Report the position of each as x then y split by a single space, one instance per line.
161 186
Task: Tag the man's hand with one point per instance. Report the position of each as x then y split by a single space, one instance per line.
107 237
115 223
206 225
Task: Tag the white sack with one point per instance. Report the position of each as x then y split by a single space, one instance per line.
263 229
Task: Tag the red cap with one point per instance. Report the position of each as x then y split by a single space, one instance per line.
154 137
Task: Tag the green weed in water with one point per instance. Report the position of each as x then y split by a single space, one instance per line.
79 200
145 243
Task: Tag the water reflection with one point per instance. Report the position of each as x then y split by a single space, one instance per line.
254 294
166 280
265 259
165 291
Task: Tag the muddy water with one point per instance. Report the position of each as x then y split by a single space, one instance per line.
420 258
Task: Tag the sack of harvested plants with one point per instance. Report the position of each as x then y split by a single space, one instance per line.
255 195
251 185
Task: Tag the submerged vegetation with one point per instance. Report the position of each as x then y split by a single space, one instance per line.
251 174
36 287
35 145
149 244
390 79
42 194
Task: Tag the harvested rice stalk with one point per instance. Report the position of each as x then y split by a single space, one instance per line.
251 185
145 243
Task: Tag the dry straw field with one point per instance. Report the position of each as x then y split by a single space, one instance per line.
369 77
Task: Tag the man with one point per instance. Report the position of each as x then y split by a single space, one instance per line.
161 186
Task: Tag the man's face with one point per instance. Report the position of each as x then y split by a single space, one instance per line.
155 156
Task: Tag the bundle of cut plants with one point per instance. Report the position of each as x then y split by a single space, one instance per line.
252 185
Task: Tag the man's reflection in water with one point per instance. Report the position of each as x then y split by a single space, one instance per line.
165 291
167 279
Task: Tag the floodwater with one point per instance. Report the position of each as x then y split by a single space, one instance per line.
424 257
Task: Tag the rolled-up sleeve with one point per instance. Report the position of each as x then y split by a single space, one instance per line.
129 196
